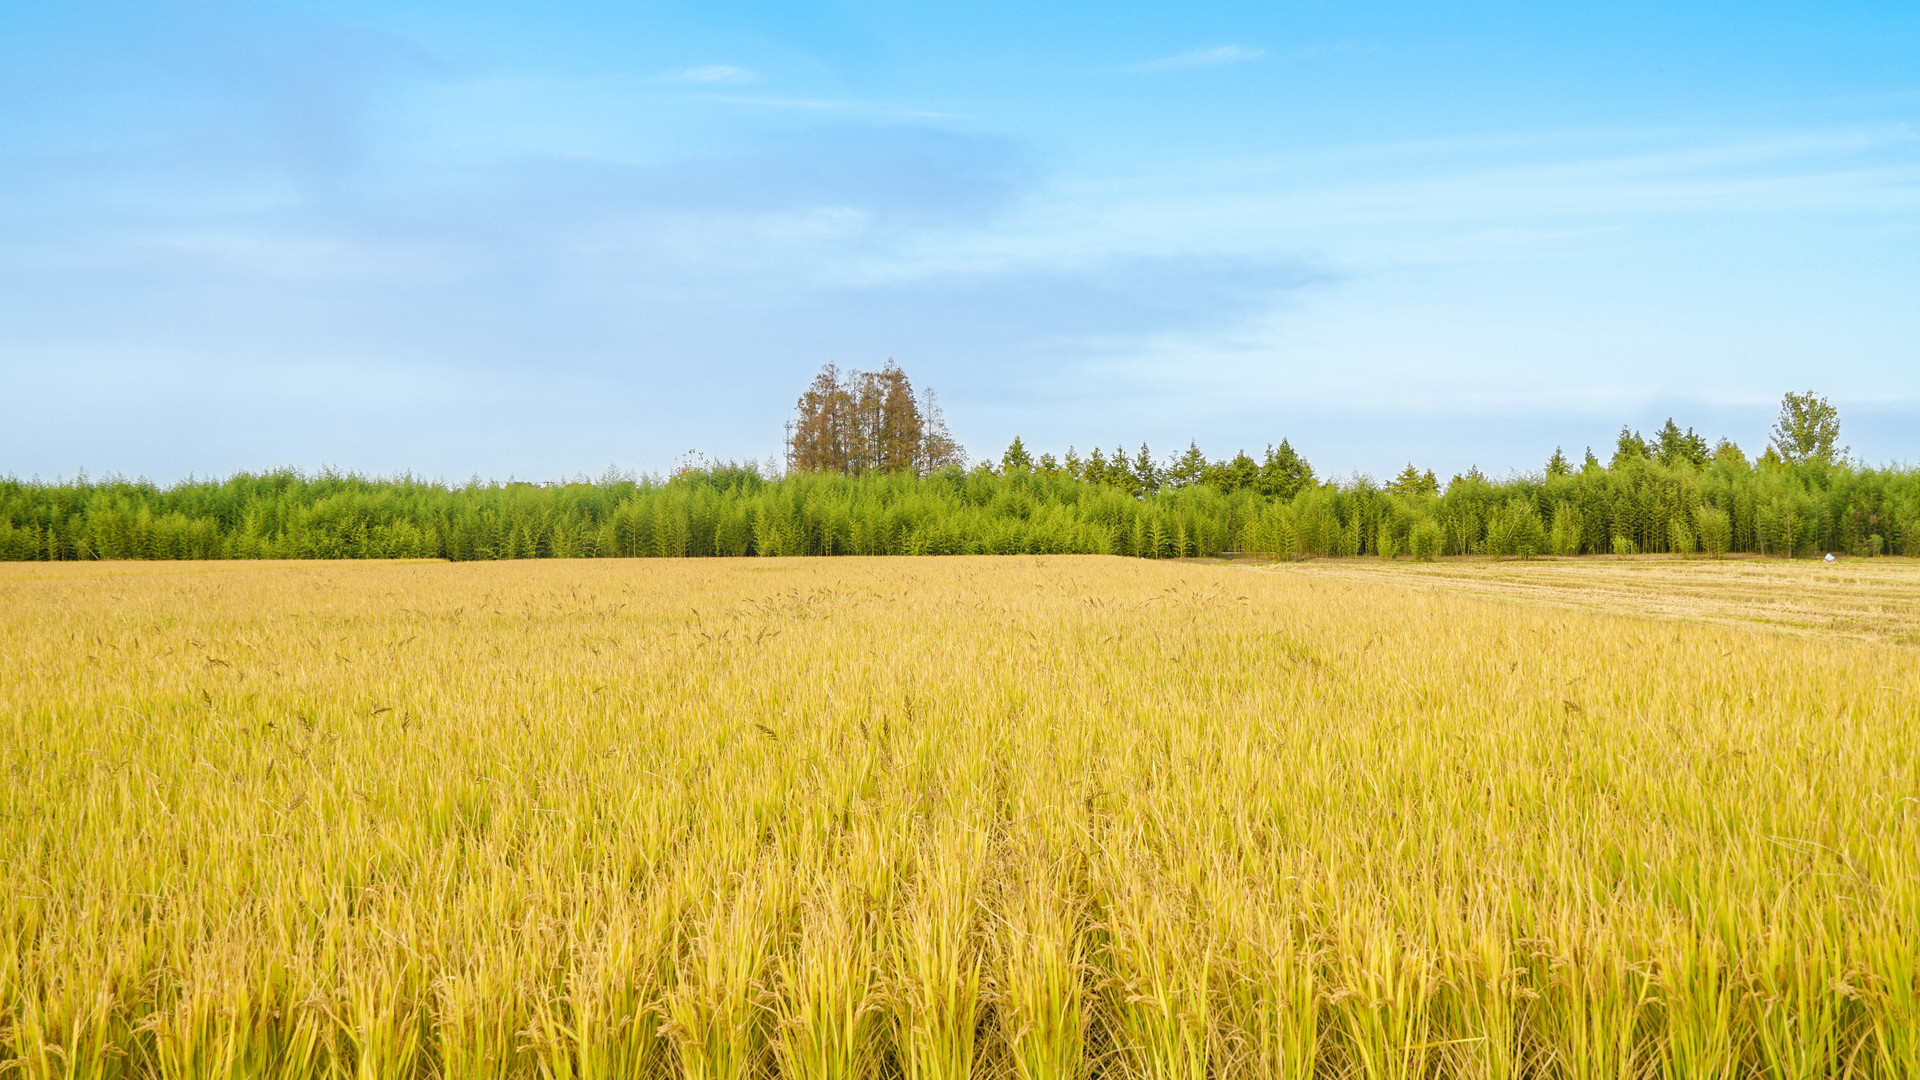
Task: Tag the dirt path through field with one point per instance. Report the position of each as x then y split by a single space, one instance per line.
1871 600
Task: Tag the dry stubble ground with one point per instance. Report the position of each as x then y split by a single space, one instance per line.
1866 599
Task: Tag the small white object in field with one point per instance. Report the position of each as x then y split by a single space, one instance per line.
1829 556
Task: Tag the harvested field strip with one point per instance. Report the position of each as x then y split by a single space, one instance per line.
1867 599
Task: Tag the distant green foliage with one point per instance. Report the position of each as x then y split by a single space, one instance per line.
1671 445
1680 536
1566 534
1114 505
1628 448
1425 539
1412 481
1806 431
1716 531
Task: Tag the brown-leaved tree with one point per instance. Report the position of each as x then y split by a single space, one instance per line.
869 421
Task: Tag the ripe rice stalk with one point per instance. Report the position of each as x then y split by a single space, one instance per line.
1697 1002
1042 967
1597 1009
1891 968
1795 1003
826 1005
1485 1022
1382 997
1164 959
607 1024
715 1008
1268 1025
937 957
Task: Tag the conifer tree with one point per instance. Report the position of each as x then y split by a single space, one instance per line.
1285 473
1145 473
1230 476
1095 470
1629 447
1187 469
1672 445
1412 481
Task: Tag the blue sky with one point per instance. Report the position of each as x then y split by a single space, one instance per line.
535 240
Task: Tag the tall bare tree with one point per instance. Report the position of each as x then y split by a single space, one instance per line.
869 421
890 420
937 449
823 430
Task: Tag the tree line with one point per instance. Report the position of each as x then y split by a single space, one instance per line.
1639 505
886 487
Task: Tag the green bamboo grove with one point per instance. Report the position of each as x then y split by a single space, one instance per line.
1642 505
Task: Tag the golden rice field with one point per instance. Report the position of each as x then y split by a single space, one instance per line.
1025 818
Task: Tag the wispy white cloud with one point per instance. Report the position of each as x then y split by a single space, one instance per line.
830 106
775 102
713 73
1196 58
1315 52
